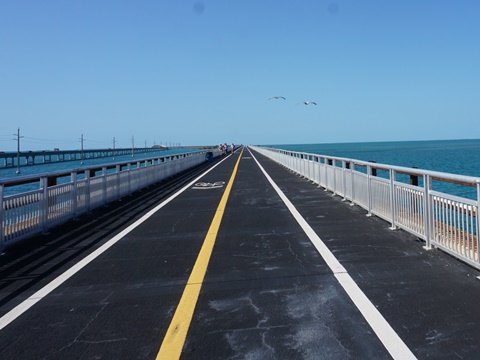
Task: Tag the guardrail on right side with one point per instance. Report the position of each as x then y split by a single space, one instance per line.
405 197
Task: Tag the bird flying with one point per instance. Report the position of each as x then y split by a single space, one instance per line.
309 102
277 97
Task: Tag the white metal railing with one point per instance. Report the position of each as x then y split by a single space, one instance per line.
443 220
27 213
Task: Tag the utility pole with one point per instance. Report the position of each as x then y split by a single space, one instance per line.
18 137
145 144
114 147
81 148
133 146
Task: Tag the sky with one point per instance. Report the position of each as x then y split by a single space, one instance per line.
182 72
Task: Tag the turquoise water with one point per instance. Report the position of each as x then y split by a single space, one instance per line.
460 157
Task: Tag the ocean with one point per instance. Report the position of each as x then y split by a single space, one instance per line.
461 157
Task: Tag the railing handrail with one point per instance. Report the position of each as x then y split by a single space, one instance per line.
443 220
21 179
30 212
399 169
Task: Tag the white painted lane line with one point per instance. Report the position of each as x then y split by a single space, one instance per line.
40 294
390 339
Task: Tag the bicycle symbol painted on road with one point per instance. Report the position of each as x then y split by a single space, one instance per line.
203 185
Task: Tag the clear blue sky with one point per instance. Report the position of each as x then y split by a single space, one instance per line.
200 72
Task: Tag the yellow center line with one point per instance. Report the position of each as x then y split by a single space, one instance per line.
174 340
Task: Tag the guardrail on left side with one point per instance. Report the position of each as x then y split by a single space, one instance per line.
62 196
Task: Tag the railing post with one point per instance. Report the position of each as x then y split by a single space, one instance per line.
369 190
427 211
306 159
319 171
477 219
43 220
393 204
310 166
2 219
137 186
73 178
87 190
129 174
334 167
104 185
305 166
117 176
297 163
325 173
302 165
352 170
328 162
344 179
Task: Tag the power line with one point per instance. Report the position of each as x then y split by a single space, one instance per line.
48 140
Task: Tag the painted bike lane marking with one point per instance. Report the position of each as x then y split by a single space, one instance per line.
207 186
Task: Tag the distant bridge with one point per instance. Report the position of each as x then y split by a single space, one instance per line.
22 158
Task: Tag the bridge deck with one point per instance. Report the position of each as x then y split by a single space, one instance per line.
273 288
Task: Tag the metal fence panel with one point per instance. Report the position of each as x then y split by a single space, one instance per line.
32 212
443 220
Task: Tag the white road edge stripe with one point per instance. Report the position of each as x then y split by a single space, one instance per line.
390 339
40 294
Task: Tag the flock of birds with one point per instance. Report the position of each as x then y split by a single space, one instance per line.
283 98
